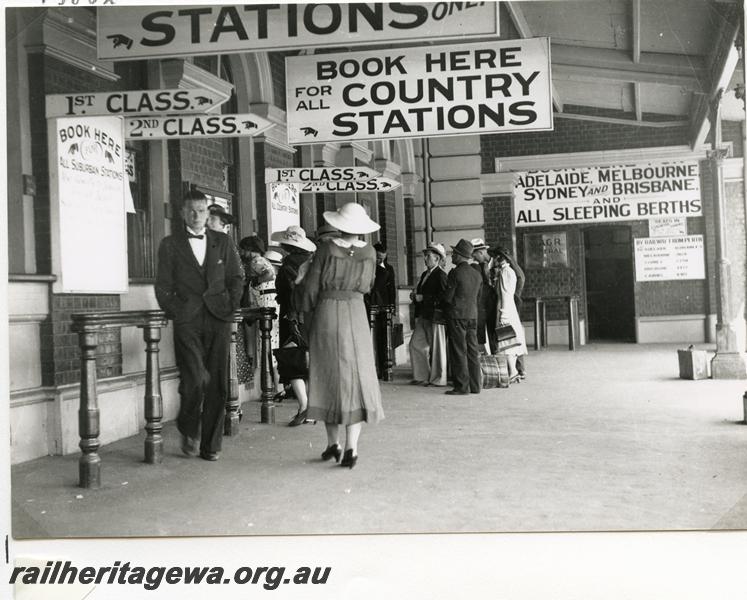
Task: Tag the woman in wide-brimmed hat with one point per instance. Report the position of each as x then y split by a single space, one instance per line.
428 342
343 387
299 250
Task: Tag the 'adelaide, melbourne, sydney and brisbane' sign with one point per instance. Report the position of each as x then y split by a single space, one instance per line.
129 32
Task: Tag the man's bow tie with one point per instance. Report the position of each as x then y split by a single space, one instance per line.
197 237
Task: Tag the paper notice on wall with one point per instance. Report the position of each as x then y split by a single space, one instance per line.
285 206
88 185
667 226
669 258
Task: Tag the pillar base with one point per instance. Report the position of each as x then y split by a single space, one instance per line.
729 365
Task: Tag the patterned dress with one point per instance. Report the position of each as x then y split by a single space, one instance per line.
343 386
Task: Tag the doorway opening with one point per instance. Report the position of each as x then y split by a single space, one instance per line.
610 295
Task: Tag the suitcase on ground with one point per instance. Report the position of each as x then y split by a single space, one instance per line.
494 369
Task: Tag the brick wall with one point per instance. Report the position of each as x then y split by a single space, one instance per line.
277 67
202 162
571 135
413 265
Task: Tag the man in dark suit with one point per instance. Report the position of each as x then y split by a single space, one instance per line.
383 294
462 296
198 284
487 309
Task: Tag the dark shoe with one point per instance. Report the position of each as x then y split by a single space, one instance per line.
211 456
473 392
333 451
514 379
189 446
456 393
522 376
416 382
279 397
299 419
349 460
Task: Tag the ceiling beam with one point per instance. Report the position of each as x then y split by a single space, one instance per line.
606 63
726 58
520 22
636 45
617 121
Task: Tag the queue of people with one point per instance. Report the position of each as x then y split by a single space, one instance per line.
318 289
480 295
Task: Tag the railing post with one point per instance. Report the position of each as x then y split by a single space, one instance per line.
267 412
231 423
389 363
543 319
153 399
572 321
89 465
537 324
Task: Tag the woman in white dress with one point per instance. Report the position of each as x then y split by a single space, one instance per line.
503 279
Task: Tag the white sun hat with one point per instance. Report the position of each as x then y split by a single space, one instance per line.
294 236
351 218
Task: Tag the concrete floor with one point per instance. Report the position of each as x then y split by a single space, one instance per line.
603 439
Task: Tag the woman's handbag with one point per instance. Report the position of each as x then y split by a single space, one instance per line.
293 357
505 335
398 335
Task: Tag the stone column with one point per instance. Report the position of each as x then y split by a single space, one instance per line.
729 362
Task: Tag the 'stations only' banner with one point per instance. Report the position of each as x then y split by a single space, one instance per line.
131 32
430 91
604 194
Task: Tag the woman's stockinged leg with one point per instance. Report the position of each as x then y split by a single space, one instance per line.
352 433
333 434
299 387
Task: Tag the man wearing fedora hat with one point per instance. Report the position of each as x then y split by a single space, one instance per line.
426 297
486 310
462 296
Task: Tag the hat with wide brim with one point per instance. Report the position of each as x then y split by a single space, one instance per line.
294 236
351 218
218 211
463 248
436 248
496 251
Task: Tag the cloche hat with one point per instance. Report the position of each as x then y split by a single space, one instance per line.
294 236
274 257
218 211
351 218
437 248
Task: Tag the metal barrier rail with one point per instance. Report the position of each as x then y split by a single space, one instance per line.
540 319
88 326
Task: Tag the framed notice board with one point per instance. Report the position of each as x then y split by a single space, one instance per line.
545 250
87 178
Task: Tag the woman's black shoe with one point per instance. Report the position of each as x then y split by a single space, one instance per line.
349 460
333 451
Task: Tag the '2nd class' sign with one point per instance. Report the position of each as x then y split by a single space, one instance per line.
126 33
419 92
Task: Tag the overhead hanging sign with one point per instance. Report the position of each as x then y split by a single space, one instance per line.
668 258
87 188
377 184
140 102
194 126
605 194
320 174
129 32
425 91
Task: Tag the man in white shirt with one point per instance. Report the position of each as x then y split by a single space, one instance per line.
199 282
